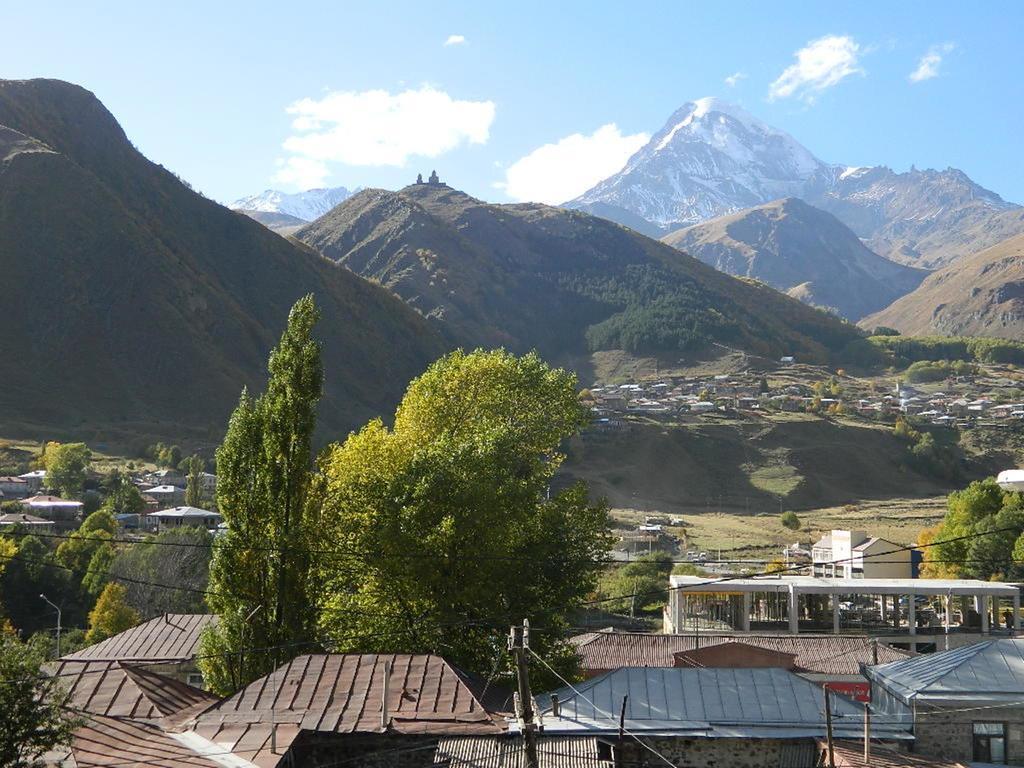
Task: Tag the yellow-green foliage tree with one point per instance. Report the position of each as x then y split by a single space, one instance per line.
449 519
66 466
76 551
111 614
978 535
260 567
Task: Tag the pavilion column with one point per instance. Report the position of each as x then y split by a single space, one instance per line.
949 610
983 610
794 612
835 614
885 609
745 617
1016 611
912 614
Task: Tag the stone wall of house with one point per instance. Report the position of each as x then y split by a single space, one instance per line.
723 753
322 750
949 734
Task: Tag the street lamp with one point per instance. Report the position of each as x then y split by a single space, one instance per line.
57 609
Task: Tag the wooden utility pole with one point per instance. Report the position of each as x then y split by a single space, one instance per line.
828 728
867 734
519 645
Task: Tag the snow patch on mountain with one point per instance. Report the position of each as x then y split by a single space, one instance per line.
308 206
711 158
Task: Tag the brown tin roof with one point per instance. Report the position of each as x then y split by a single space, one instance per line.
171 637
107 741
117 689
344 693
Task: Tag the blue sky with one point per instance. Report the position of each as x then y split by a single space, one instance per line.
205 88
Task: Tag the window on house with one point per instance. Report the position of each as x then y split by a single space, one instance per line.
990 742
195 679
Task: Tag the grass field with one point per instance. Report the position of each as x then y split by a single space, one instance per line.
762 535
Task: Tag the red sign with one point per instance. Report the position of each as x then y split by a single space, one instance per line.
855 691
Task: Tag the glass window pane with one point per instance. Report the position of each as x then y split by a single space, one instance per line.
988 729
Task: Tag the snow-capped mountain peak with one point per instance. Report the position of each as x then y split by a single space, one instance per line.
711 158
308 206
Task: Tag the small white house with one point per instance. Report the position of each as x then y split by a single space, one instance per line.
854 555
53 507
179 517
167 495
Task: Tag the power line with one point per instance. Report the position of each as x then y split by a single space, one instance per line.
622 726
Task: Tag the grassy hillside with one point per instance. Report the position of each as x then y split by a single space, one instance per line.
794 462
977 295
133 305
561 281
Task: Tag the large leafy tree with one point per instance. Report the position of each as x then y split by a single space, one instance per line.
194 480
76 551
31 570
111 615
34 718
123 497
978 533
260 569
179 557
446 524
66 466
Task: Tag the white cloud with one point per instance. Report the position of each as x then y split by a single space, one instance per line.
555 173
455 40
301 172
378 128
928 66
734 78
820 64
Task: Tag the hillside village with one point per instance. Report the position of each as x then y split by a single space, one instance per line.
991 397
634 433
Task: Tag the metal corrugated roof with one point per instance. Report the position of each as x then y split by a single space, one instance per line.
108 741
992 670
344 693
171 637
816 654
115 689
510 752
715 703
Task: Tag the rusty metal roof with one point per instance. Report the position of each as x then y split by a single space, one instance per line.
171 637
344 693
814 654
117 689
109 741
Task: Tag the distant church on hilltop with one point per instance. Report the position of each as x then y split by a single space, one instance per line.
433 180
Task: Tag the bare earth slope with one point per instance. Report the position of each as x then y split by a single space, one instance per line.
132 305
797 248
980 295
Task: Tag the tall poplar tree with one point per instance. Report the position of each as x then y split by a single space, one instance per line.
260 569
